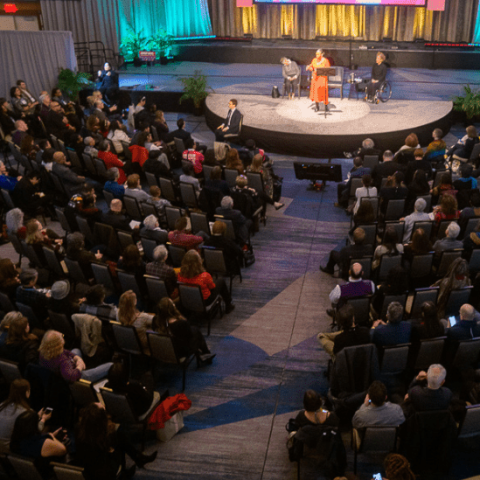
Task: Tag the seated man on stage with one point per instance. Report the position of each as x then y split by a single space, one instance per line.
231 125
319 87
379 74
291 74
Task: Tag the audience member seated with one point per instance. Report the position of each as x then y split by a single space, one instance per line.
463 148
233 161
7 117
418 215
193 273
419 245
313 413
436 149
342 258
467 328
258 166
161 126
117 135
101 447
28 196
232 253
76 251
241 225
349 335
21 106
427 326
187 339
151 229
472 241
343 188
472 211
395 189
83 204
134 189
158 168
71 181
28 147
111 160
21 129
390 246
384 169
449 242
366 191
188 176
396 283
191 154
14 222
68 364
464 185
36 298
90 146
129 315
56 122
116 218
427 393
406 152
447 210
377 410
455 278
38 237
131 262
367 148
157 200
395 331
16 404
112 186
94 303
6 181
419 163
364 215
9 278
158 268
417 187
445 186
181 238
215 181
355 287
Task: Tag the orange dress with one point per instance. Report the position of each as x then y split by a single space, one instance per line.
319 86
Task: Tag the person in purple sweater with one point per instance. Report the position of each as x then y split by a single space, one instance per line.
68 364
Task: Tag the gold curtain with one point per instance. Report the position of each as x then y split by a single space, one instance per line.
363 23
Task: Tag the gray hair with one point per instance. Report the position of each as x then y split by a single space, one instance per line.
150 222
227 202
321 50
14 220
368 143
113 174
160 253
467 312
75 240
388 154
9 318
420 205
453 230
394 312
436 376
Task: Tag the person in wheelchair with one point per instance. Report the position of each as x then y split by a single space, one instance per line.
379 75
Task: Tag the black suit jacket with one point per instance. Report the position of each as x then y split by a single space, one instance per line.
180 133
234 126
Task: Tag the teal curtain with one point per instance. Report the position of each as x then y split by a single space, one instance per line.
476 33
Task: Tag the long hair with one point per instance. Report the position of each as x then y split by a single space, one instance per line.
191 265
8 273
165 310
420 242
420 181
456 276
17 332
26 426
390 240
257 163
127 311
93 427
365 213
398 468
19 389
233 161
131 256
26 144
52 345
430 320
33 232
449 204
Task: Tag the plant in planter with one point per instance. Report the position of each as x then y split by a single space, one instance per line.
133 43
468 103
195 88
161 43
71 83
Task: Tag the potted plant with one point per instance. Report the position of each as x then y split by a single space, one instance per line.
132 44
469 103
71 83
195 88
161 43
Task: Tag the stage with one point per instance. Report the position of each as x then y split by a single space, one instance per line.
293 127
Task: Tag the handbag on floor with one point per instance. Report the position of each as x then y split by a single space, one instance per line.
248 257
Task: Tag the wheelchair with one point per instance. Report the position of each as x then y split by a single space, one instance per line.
384 93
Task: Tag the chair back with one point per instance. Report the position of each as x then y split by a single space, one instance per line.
426 226
475 154
6 304
428 201
63 220
370 161
10 370
176 254
132 208
24 467
75 271
255 181
74 160
370 233
7 199
231 175
149 246
230 233
16 244
207 170
84 228
101 168
191 298
89 165
467 354
471 423
446 259
214 261
128 282
126 338
442 229
125 239
52 262
31 254
379 439
172 214
156 288
394 359
118 406
162 348
395 209
83 392
474 262
102 276
179 145
151 179
62 324
374 202
126 150
28 312
456 299
421 265
361 305
168 192
59 186
421 296
149 209
354 184
105 235
189 197
430 352
200 223
471 225
388 299
388 262
64 471
109 196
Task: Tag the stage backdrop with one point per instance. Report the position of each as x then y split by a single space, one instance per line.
455 24
35 57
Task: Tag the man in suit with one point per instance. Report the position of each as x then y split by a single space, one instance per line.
231 125
182 134
241 225
385 169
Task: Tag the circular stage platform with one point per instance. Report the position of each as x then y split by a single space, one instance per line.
292 127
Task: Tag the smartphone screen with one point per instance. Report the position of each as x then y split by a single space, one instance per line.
377 476
48 410
452 321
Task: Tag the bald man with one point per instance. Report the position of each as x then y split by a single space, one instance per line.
72 182
355 287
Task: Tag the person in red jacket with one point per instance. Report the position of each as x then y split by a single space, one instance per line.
111 160
193 156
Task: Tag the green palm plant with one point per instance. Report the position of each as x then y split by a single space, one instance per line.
195 88
133 43
161 42
71 83
468 103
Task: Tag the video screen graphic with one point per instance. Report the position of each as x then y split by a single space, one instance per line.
405 3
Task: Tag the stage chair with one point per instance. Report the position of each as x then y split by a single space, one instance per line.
299 85
163 350
336 81
384 93
230 137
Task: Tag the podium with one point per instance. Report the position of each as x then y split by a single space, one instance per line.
325 72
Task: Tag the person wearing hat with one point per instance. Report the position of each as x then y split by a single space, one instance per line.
63 300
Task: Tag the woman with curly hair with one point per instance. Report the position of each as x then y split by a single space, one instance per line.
233 161
193 273
68 364
187 339
28 147
447 210
129 315
397 467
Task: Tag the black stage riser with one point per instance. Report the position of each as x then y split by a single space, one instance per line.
328 146
245 53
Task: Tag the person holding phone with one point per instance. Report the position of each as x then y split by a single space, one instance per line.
313 413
